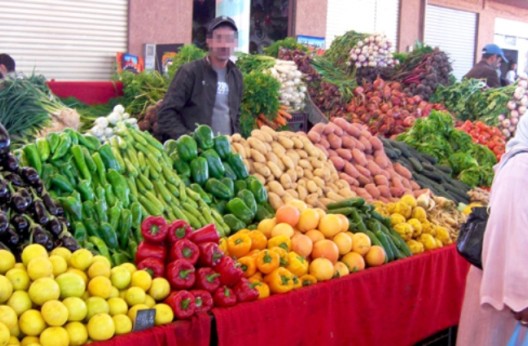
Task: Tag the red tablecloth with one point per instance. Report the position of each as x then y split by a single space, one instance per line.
87 92
398 304
196 331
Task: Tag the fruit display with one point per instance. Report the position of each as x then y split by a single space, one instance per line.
486 135
28 213
210 168
385 108
200 275
290 166
361 161
66 298
437 136
412 223
426 171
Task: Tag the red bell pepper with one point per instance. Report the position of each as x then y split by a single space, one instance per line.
185 249
230 272
182 304
154 266
206 234
224 297
154 229
210 254
148 250
245 291
203 300
207 279
178 229
180 274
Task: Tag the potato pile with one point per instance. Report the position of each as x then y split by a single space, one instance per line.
361 160
291 167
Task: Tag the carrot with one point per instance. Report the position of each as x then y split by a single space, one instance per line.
285 114
280 120
268 122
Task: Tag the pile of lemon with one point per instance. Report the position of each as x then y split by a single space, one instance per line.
64 298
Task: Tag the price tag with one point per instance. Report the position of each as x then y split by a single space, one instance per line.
144 319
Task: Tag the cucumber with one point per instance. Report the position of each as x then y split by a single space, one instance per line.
383 238
417 166
350 202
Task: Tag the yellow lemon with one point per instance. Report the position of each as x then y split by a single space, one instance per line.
7 261
63 252
9 317
101 258
132 312
129 266
6 289
149 301
96 305
101 327
31 322
54 336
54 313
100 286
19 278
13 341
123 324
43 290
120 277
30 340
164 314
99 268
39 268
20 302
33 251
81 259
71 285
135 295
77 333
141 279
117 306
4 334
77 308
159 289
59 264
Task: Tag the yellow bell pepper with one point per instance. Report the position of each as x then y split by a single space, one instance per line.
258 240
262 288
239 244
256 277
253 253
297 283
283 254
282 241
308 280
297 264
267 261
280 280
248 265
222 244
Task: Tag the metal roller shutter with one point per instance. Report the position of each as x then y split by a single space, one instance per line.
454 32
64 39
367 16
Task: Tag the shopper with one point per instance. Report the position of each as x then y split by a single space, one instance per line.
486 68
497 296
206 91
511 75
7 66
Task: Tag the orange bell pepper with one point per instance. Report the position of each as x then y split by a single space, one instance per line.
283 254
282 241
308 280
280 280
258 240
256 277
222 244
239 245
253 253
262 288
267 261
297 264
297 283
248 265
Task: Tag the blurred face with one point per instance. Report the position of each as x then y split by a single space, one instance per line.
3 70
494 61
222 43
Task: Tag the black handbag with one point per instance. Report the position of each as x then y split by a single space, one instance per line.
471 236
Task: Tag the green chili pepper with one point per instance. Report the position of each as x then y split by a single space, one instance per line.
100 168
43 149
78 158
81 234
91 226
63 146
72 206
88 210
100 246
101 210
107 233
125 226
33 157
89 160
61 183
120 186
114 214
86 191
108 157
54 140
88 141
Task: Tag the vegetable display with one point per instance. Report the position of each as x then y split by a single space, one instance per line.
486 135
426 171
104 126
359 158
436 136
373 51
293 90
290 166
517 106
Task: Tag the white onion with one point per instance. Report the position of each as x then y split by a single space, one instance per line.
501 117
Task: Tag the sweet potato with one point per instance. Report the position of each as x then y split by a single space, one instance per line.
366 143
364 180
384 191
334 140
338 162
354 130
397 191
345 154
363 171
359 157
319 128
403 171
275 200
314 136
382 160
380 179
372 190
406 184
414 185
373 168
351 170
342 123
348 142
324 142
376 143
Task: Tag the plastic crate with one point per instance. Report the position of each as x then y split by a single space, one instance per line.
298 122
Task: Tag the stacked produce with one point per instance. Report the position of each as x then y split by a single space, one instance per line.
373 51
64 298
293 90
479 195
361 161
104 126
386 109
290 166
220 177
486 135
517 106
28 214
436 136
141 90
443 212
412 223
199 274
423 70
426 171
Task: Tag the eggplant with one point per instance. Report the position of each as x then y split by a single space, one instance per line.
55 226
30 175
39 210
5 140
19 203
10 163
70 243
5 193
27 195
12 237
65 221
14 178
40 236
4 223
49 245
50 204
20 222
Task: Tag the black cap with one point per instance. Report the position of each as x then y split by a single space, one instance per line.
216 22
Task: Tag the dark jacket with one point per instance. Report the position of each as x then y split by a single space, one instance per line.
483 70
191 98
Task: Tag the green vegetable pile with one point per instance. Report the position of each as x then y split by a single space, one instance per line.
220 177
471 100
187 53
142 90
437 136
287 43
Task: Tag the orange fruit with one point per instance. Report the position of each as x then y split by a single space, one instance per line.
266 225
315 235
327 249
361 243
343 242
330 225
375 256
344 221
321 212
322 269
282 229
308 220
302 244
354 261
288 214
298 204
350 235
340 270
